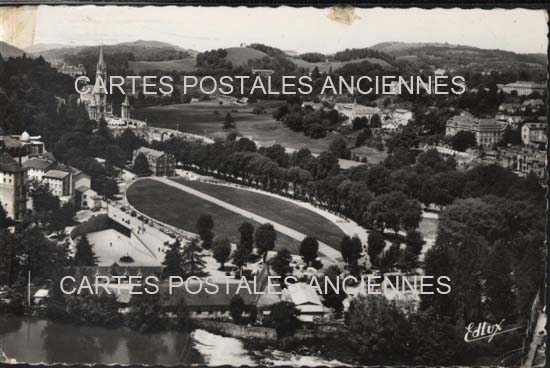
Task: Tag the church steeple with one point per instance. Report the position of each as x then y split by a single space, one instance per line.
101 67
125 109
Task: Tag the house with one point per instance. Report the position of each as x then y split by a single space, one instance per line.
531 160
534 133
160 163
59 182
13 190
37 167
488 132
306 300
86 198
522 88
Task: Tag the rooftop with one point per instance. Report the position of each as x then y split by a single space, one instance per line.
37 163
150 152
8 164
56 174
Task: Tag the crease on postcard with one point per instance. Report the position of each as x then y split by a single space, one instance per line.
17 24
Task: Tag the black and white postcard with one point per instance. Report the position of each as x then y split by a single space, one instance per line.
297 186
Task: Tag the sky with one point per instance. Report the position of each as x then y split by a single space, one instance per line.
296 29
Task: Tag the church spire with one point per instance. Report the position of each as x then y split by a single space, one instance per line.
101 62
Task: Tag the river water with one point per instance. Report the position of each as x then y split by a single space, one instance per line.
33 340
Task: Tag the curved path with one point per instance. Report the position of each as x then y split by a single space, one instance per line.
323 248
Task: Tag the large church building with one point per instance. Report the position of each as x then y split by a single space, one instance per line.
95 98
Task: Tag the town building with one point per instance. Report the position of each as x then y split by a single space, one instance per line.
306 300
86 198
160 163
393 119
531 160
534 133
488 132
22 146
13 190
69 69
522 88
37 167
355 110
59 182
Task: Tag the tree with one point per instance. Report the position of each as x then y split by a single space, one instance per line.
334 298
284 317
390 257
182 319
378 331
264 238
146 314
376 245
309 247
351 249
281 263
171 265
338 147
221 250
205 224
61 218
236 308
245 245
5 221
463 140
193 263
499 298
228 122
84 255
414 241
141 165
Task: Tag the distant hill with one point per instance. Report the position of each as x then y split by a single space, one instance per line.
239 56
142 51
7 50
41 47
449 56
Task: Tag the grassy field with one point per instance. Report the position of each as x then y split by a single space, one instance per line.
201 118
239 56
281 211
180 209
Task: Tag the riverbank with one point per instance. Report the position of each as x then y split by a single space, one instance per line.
327 345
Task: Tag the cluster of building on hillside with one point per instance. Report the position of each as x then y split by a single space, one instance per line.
527 118
391 119
24 160
522 88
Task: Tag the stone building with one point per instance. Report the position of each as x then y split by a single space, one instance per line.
13 191
160 163
488 132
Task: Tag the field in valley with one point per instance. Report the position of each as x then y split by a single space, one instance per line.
206 118
180 209
281 211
